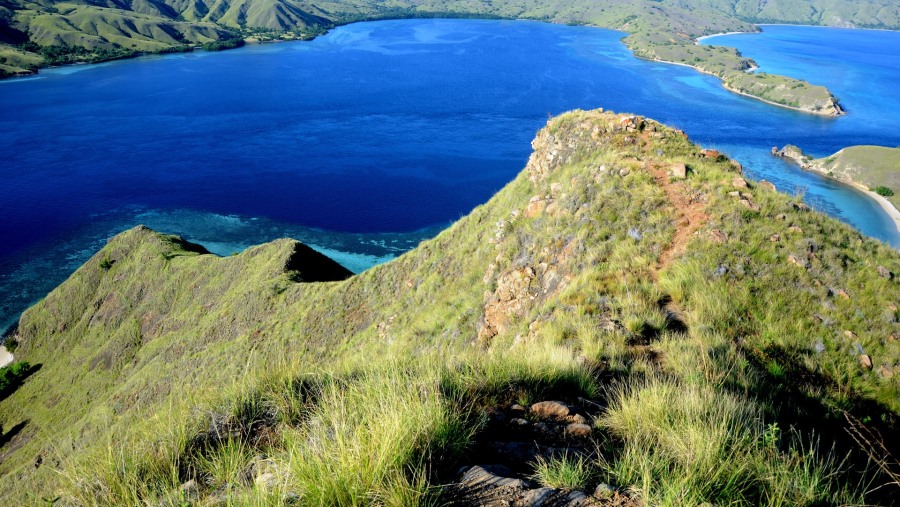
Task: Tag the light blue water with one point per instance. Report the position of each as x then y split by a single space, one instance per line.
363 141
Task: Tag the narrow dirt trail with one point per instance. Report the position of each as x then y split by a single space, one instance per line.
690 215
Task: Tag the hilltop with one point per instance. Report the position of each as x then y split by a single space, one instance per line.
35 34
629 321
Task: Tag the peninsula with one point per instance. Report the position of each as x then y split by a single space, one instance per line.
36 34
872 169
630 321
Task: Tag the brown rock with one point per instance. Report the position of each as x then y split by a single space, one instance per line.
712 154
577 418
555 409
739 183
578 430
767 184
535 208
717 236
849 334
678 171
865 361
793 259
750 205
734 193
842 293
555 190
775 238
884 272
796 229
885 371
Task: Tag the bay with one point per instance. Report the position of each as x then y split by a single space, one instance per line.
362 142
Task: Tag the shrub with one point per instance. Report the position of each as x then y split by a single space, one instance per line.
884 191
12 375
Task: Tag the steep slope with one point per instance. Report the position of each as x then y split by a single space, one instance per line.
625 269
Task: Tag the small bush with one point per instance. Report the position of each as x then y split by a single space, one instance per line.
12 375
884 191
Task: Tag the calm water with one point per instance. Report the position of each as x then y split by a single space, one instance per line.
367 140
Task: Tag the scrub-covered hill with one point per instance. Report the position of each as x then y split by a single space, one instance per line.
33 34
629 321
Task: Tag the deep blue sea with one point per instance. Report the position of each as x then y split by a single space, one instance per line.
369 139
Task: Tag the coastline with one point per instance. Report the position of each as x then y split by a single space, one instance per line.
885 204
732 90
704 37
890 210
6 357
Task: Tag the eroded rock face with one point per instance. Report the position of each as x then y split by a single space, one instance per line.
487 486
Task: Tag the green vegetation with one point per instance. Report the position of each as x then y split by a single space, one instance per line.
566 472
12 376
739 349
872 167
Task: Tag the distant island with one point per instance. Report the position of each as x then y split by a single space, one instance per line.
873 169
35 35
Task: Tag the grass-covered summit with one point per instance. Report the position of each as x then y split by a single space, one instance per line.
705 339
50 32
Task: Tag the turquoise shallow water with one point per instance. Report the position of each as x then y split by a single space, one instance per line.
367 140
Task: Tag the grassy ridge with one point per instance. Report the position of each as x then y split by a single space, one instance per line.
731 338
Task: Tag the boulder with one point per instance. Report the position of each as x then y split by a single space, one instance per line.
678 171
884 272
793 259
739 183
578 430
550 409
717 236
555 190
865 361
750 205
767 185
535 207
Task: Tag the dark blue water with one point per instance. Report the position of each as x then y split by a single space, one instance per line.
363 141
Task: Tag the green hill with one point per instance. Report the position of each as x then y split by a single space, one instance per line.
871 166
706 339
65 32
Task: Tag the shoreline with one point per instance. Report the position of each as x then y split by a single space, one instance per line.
732 90
887 206
703 37
6 357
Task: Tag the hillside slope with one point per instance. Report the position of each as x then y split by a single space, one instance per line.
716 341
51 32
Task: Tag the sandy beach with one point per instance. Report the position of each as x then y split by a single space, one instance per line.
5 357
698 39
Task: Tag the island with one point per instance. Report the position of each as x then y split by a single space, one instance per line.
34 35
873 169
